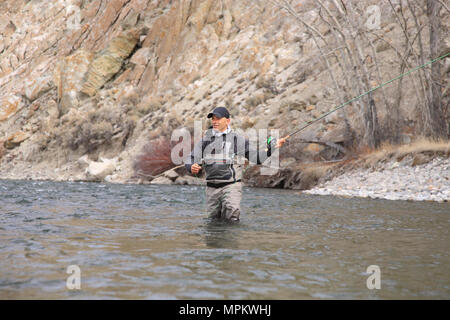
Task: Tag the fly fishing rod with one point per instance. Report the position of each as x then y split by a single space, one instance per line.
272 142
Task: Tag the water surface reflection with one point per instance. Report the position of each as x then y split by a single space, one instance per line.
156 242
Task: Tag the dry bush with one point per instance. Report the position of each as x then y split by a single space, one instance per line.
2 149
89 135
247 122
152 104
268 83
92 129
131 99
255 100
300 75
146 108
229 102
268 95
289 105
155 158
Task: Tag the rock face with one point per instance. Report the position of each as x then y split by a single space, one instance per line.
9 106
69 78
109 61
15 140
102 78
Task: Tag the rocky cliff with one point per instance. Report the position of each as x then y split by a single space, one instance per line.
86 85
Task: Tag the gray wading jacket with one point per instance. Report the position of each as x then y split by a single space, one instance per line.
222 156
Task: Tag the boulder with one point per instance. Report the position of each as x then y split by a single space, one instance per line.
98 171
161 180
189 180
171 174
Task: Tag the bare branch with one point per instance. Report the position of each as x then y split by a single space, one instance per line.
444 6
286 6
326 143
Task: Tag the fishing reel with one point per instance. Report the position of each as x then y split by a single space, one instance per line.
271 143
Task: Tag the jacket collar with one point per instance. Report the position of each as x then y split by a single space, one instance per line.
218 133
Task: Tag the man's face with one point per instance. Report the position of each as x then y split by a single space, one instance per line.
220 124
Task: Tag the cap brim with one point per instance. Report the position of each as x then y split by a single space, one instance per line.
214 114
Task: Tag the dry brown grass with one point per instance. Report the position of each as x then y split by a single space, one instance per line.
421 145
314 173
311 173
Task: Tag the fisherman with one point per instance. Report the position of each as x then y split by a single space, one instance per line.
220 154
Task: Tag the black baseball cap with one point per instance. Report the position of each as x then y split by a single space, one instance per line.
219 112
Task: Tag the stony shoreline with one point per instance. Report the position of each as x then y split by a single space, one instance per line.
393 181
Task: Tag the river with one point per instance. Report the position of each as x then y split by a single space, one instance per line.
156 242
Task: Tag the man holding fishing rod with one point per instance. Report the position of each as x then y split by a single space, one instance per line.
223 192
221 154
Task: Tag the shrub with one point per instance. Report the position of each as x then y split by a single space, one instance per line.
154 158
289 105
255 100
89 135
268 83
91 129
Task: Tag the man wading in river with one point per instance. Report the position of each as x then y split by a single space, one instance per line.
220 154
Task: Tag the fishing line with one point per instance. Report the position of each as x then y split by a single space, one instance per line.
272 141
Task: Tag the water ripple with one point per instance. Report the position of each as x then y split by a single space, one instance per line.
156 242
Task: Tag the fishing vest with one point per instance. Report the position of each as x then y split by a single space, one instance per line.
223 158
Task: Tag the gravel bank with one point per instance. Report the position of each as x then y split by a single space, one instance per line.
393 181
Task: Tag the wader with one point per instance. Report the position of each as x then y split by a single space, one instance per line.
222 157
224 202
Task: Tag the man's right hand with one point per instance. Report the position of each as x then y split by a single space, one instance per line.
195 168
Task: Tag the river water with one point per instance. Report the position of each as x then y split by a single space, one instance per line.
156 242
